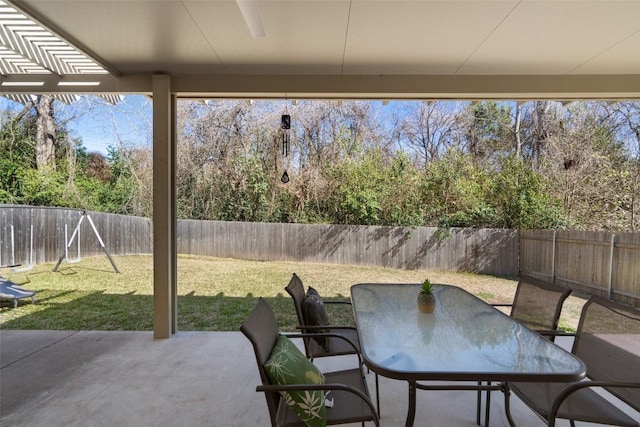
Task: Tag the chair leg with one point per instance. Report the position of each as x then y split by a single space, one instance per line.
478 403
487 408
377 396
507 408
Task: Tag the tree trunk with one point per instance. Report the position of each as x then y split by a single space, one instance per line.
45 134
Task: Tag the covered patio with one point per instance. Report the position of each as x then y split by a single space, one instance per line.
82 378
343 49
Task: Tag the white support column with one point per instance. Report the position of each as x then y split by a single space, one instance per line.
174 242
164 212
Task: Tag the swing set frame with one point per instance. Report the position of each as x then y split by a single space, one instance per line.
76 233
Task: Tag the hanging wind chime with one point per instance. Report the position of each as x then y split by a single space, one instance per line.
285 125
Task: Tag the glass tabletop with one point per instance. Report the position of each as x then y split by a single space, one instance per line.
463 339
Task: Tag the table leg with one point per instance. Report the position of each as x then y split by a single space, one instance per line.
507 409
487 407
411 414
478 403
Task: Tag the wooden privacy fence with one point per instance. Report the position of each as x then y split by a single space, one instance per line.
595 262
37 234
486 251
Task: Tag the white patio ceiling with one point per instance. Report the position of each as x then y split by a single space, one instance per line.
344 48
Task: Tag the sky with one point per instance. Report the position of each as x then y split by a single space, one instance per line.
100 125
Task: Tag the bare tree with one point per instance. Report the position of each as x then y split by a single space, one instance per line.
428 128
516 130
540 120
583 165
624 116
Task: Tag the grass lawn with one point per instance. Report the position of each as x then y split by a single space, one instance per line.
215 294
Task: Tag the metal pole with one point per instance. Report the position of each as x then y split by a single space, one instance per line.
31 264
78 243
76 233
31 248
13 254
67 245
113 264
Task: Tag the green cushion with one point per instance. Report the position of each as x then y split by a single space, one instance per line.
287 365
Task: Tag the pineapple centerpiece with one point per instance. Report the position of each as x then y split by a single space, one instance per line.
426 299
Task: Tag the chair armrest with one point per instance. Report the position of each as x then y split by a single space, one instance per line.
572 388
337 302
554 333
336 327
328 387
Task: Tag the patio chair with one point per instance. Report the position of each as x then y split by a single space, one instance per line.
608 342
11 292
537 305
342 341
324 347
348 388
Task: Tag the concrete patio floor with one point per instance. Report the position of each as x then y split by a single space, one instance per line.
70 378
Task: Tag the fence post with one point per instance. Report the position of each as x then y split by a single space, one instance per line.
553 259
611 265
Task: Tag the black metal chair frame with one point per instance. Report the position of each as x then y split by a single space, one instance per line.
552 323
261 330
295 289
551 413
551 330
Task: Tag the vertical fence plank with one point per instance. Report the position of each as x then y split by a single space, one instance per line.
627 268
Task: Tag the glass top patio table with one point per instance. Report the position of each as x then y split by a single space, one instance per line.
464 339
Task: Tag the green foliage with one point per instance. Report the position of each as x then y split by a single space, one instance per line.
355 198
520 199
118 192
571 167
480 215
402 204
71 183
41 189
453 189
489 129
17 155
10 182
